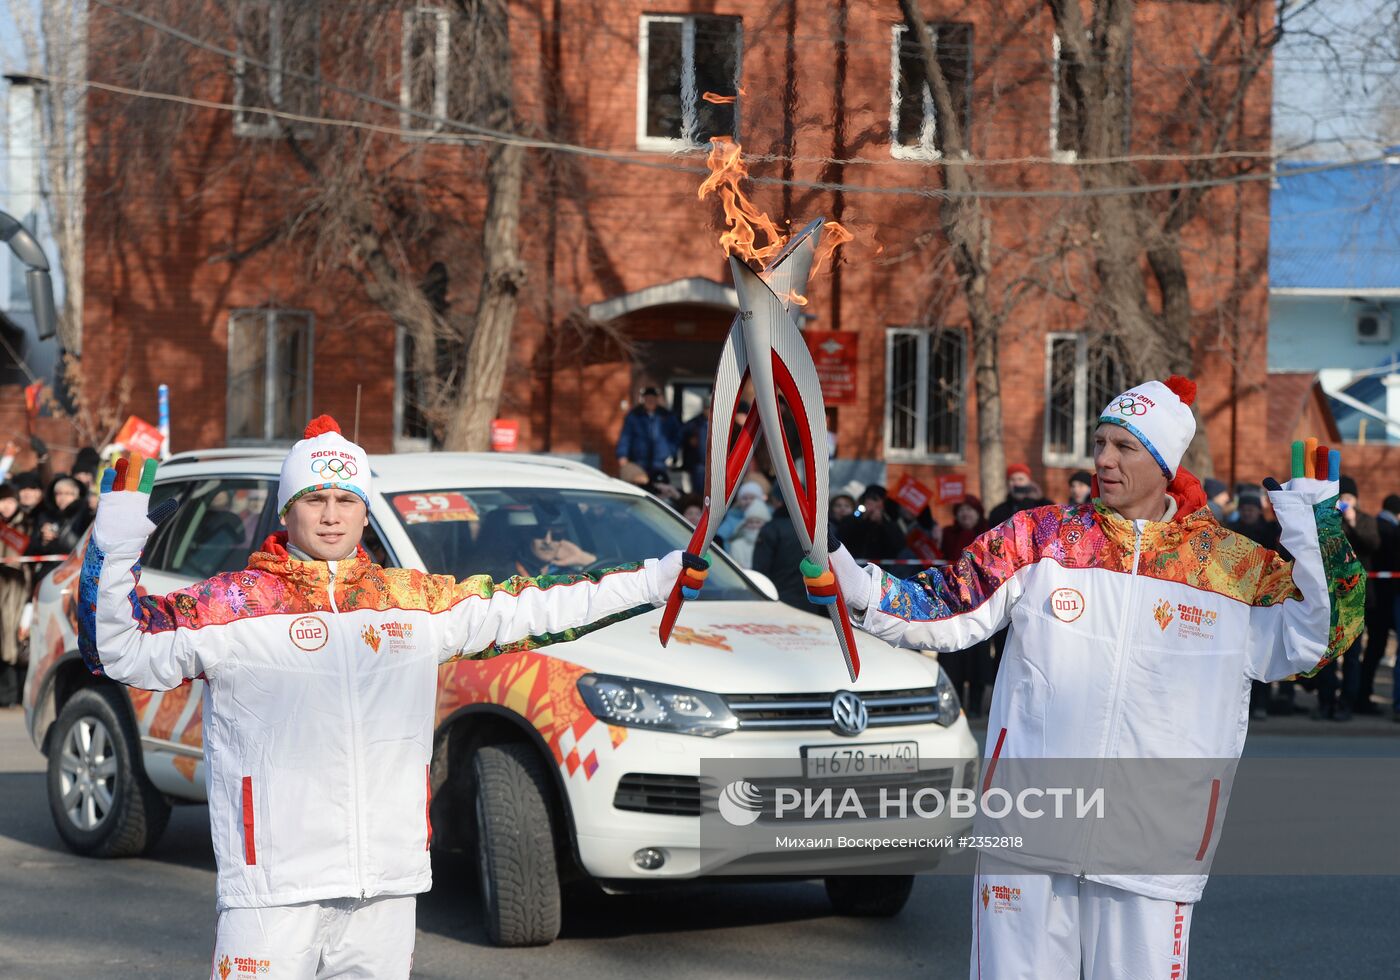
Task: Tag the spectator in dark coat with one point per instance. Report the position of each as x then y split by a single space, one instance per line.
972 667
778 554
1381 620
872 533
650 434
1023 495
694 445
1081 488
59 522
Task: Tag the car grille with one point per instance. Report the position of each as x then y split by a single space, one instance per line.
688 796
649 792
867 788
795 712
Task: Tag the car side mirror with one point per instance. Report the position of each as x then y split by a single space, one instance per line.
764 583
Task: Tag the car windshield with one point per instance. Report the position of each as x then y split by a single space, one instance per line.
532 531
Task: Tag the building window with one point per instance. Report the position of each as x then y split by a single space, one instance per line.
914 131
269 375
1064 109
278 63
423 86
926 394
1081 375
411 430
684 60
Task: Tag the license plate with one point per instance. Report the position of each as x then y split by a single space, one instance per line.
872 759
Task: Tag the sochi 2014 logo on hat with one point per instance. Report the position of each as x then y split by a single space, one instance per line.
309 633
1066 605
1131 406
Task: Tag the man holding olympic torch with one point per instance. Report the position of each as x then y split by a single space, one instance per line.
316 746
1137 624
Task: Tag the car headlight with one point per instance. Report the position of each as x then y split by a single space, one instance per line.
948 705
658 707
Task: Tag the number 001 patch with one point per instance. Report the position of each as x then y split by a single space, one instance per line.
1066 605
309 633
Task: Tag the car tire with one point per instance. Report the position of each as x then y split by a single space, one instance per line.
100 799
517 866
869 896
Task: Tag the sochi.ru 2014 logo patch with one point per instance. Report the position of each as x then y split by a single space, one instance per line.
1066 605
1162 612
371 637
309 633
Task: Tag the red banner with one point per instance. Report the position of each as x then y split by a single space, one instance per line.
140 436
834 352
921 543
14 539
912 495
952 488
505 435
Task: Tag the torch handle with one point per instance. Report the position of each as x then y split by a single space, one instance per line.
698 541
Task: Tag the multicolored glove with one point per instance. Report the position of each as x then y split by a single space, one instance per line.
123 507
1316 472
820 582
856 583
694 571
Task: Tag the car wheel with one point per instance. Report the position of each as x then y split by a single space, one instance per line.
515 846
869 896
102 803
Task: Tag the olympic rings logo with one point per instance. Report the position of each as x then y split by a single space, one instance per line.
342 469
1127 406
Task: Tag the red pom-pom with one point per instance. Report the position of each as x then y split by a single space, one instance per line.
319 426
1184 388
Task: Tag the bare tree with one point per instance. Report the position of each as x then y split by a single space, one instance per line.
390 194
968 232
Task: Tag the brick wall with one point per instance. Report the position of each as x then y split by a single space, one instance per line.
159 296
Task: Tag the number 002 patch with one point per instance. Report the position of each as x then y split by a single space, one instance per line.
309 633
1066 605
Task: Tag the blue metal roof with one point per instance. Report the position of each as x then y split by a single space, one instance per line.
1335 229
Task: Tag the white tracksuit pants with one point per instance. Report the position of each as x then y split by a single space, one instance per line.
1057 927
342 938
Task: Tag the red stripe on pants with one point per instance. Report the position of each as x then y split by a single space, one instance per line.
250 850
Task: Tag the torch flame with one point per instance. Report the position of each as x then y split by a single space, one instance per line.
745 223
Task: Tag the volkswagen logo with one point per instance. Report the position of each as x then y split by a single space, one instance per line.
848 714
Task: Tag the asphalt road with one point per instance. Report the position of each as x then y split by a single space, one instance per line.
153 918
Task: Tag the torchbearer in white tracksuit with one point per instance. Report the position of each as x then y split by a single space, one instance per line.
320 672
1136 626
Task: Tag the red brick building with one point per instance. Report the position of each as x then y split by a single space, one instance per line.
253 346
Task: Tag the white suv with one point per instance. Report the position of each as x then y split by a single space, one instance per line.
578 761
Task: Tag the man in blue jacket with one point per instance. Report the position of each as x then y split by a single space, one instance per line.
650 434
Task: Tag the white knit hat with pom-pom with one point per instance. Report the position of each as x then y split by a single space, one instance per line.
1159 414
323 460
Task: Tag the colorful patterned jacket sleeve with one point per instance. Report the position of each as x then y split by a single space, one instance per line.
487 618
1308 611
141 640
953 607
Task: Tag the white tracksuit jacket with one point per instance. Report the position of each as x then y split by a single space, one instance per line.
1136 639
321 684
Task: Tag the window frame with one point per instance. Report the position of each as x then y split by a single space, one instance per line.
270 388
927 337
1071 155
928 148
690 97
268 126
404 443
414 127
1082 456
